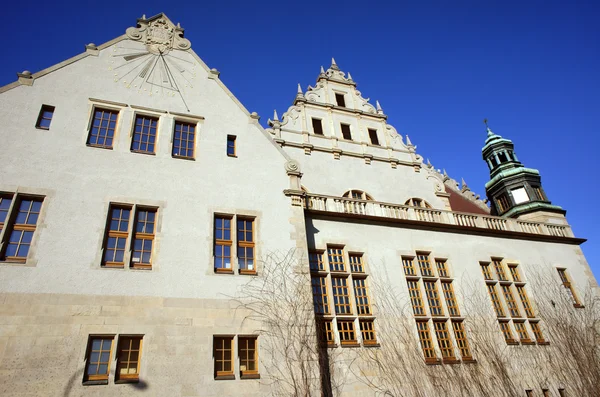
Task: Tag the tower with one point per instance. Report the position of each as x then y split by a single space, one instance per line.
514 190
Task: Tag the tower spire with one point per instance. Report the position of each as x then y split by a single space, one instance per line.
334 65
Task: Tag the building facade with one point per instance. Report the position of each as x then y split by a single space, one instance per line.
127 268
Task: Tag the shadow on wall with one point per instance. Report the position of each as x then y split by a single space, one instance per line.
78 376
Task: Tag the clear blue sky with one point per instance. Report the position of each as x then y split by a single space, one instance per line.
438 68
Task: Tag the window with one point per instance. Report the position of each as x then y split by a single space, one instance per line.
102 130
450 298
461 340
409 268
362 298
98 356
245 245
315 259
339 99
502 203
356 265
129 357
336 259
522 332
525 301
485 268
441 332
248 355
415 297
317 125
424 264
117 233
566 281
562 393
513 309
537 332
357 195
341 296
325 328
495 300
499 270
441 268
144 134
514 272
320 297
520 195
346 331
222 248
20 225
417 202
184 140
425 339
45 117
223 355
506 331
346 131
373 137
231 148
367 331
539 193
433 298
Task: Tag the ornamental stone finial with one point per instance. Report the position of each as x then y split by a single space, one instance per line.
349 76
275 116
378 106
408 142
334 65
322 70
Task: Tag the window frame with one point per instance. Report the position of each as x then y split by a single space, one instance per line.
188 124
233 140
10 225
245 373
40 118
349 331
344 127
120 378
340 97
103 109
223 243
373 134
145 116
568 284
245 244
103 378
224 375
319 122
135 235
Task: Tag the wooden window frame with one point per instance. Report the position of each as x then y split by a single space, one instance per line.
507 332
373 134
11 225
145 130
426 342
408 263
444 340
217 357
521 329
10 198
361 295
317 122
346 128
451 303
462 342
346 330
336 266
511 303
105 136
242 245
496 302
442 268
537 332
485 268
326 333
503 203
121 378
189 126
246 373
367 331
566 282
356 262
525 301
116 234
320 295
341 294
143 236
316 261
414 291
231 144
499 267
44 108
433 298
223 243
102 378
423 259
514 273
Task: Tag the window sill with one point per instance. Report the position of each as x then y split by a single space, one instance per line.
225 377
452 360
249 376
512 342
183 157
543 342
433 361
224 271
12 259
248 272
578 306
113 266
95 382
42 128
127 380
141 267
232 155
99 146
527 342
469 360
350 344
371 344
142 152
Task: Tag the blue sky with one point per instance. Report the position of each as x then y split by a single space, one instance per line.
437 68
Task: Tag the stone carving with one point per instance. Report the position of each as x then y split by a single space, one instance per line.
159 34
292 166
291 116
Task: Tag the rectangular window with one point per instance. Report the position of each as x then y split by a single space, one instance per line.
566 281
495 300
320 297
102 130
317 125
184 140
45 117
485 268
346 331
129 355
409 267
562 393
144 134
503 203
341 297
450 298
339 99
315 259
326 332
539 193
117 232
99 352
356 265
20 226
525 301
248 354
373 137
223 355
346 131
461 340
506 331
537 332
143 238
443 338
514 272
245 245
367 331
424 265
522 331
425 339
513 309
223 242
415 297
435 305
335 255
362 298
442 268
231 147
500 270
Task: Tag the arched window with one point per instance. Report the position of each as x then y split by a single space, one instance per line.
417 202
357 194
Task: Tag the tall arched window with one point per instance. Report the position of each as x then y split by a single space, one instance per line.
357 194
417 202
